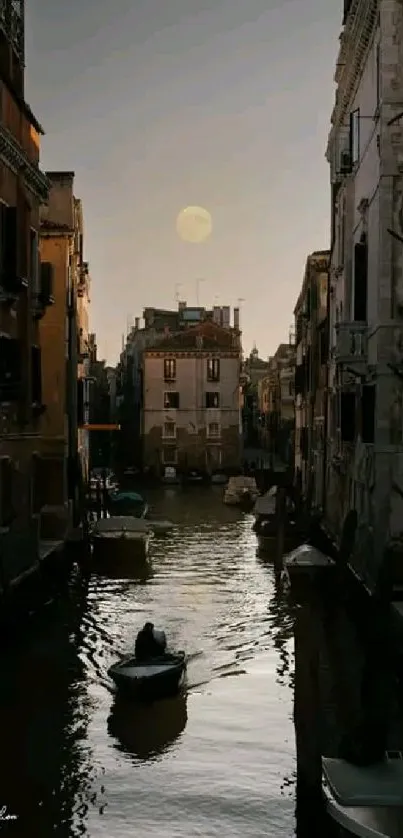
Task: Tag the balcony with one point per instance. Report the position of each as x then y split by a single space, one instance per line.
351 343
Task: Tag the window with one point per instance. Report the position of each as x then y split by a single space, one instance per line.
213 369
212 400
80 402
368 413
36 375
347 417
355 136
360 280
46 282
342 229
169 369
170 455
8 245
213 457
290 388
169 430
6 491
213 429
10 369
33 259
171 400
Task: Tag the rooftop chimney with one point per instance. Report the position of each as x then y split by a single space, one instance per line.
236 319
217 315
182 305
226 316
136 323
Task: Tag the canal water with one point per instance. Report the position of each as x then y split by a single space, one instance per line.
216 761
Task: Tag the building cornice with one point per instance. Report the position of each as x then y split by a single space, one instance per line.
16 159
196 353
355 42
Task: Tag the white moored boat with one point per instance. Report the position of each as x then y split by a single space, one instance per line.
119 531
241 491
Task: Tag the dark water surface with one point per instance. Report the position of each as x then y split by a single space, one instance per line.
218 761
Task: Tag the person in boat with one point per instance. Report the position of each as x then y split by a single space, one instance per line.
149 643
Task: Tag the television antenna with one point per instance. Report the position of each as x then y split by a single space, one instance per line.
198 281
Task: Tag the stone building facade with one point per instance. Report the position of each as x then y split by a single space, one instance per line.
24 293
65 351
312 349
364 463
191 417
276 404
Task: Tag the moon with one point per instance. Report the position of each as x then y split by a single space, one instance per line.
194 224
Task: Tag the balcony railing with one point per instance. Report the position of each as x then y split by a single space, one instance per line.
351 342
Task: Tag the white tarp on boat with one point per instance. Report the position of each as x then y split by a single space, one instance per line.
266 504
373 785
124 523
307 556
240 482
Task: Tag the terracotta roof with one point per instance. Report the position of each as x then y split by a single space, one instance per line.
214 337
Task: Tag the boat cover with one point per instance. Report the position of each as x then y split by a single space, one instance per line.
374 785
121 523
266 504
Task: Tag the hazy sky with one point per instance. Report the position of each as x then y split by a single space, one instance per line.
158 104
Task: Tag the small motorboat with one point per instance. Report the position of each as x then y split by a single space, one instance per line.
241 491
119 532
156 678
266 522
128 503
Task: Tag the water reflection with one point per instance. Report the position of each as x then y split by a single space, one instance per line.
146 731
282 616
45 758
136 571
71 751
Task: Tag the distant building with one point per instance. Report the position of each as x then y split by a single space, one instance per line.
191 399
312 354
102 443
254 369
157 325
276 404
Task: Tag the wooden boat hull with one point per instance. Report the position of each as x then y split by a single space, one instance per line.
162 677
129 544
246 502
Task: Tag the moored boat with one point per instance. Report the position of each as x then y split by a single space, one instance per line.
119 532
151 679
364 801
266 524
241 491
128 503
